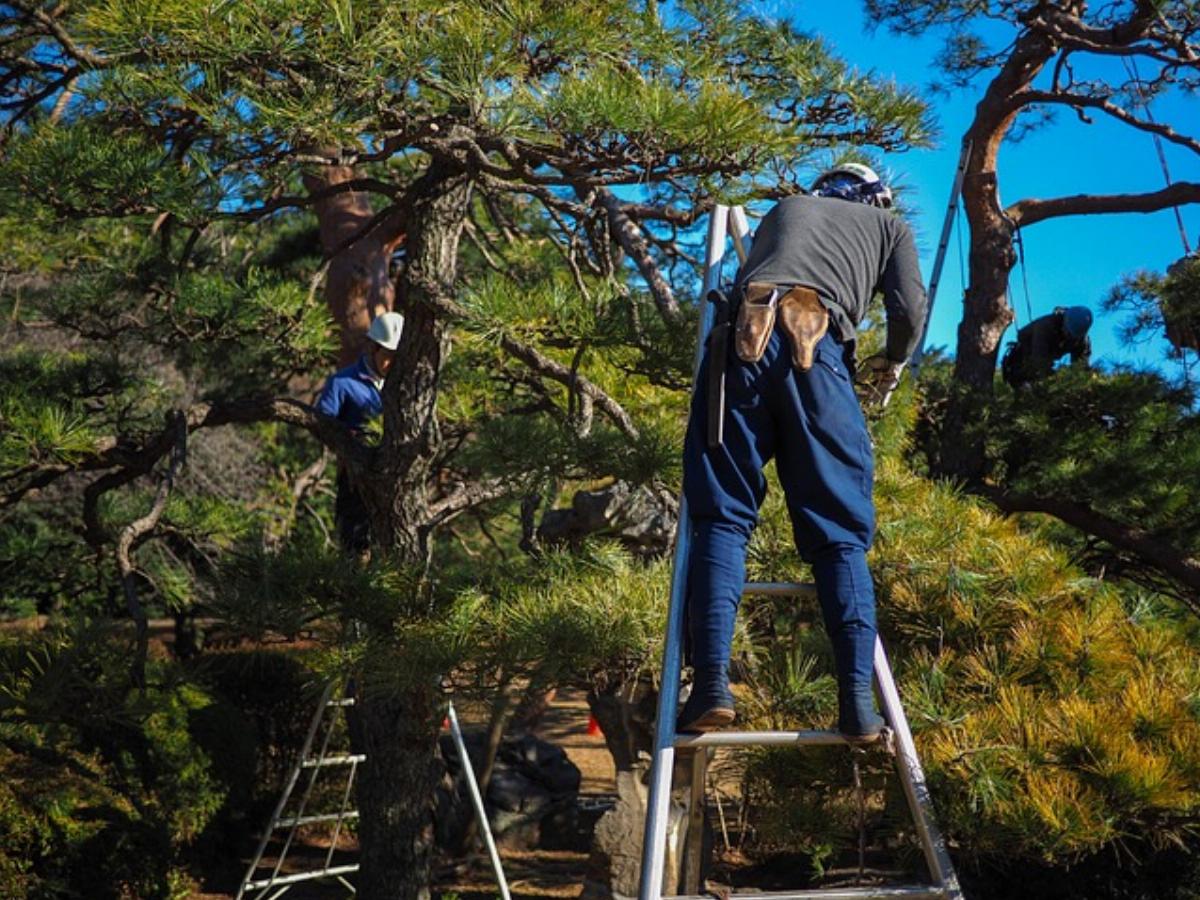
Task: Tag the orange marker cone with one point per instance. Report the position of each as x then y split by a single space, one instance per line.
593 728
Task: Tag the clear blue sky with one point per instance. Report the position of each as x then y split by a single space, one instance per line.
1071 260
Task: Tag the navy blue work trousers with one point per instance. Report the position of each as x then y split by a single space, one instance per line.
811 424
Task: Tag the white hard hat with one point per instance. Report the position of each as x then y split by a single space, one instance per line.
386 329
855 182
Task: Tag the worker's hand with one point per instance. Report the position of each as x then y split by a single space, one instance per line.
877 378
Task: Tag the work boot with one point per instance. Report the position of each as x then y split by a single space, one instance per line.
858 722
710 705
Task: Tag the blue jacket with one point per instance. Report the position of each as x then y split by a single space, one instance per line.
351 395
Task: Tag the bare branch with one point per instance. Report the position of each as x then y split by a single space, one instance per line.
1030 211
134 532
1075 100
465 497
632 242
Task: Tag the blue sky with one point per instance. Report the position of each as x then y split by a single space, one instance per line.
1070 261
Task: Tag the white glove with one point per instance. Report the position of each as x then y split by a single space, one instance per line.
876 379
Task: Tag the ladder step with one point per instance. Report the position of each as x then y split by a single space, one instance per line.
331 872
313 820
345 701
779 589
333 761
881 892
763 739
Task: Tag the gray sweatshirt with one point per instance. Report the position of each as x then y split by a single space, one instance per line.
846 252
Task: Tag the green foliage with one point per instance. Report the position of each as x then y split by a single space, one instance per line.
1051 723
104 787
555 619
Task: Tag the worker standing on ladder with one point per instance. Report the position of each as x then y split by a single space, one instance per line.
352 395
815 264
1044 341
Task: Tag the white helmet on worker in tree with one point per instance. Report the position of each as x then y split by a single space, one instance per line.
386 329
854 182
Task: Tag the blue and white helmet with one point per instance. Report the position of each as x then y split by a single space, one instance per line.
854 182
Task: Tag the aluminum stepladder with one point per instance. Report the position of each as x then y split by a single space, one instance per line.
275 884
731 221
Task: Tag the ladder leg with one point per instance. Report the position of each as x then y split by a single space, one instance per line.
912 777
287 791
658 803
477 802
693 854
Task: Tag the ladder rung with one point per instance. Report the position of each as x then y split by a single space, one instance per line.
763 739
915 892
333 761
779 589
301 876
313 820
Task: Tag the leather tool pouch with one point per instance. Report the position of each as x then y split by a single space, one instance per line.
755 319
804 320
718 362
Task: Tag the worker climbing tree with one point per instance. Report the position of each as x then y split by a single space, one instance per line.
1044 341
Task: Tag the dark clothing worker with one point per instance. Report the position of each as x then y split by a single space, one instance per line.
1044 341
815 258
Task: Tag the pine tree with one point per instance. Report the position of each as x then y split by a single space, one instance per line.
1033 60
592 134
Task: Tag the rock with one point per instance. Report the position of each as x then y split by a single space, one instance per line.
533 790
641 518
614 867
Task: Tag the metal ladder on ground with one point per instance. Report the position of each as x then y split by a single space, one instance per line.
257 885
731 222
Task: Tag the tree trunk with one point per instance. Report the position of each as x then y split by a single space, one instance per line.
399 729
358 286
395 792
399 496
986 312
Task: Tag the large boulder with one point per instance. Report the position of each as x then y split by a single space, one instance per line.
531 799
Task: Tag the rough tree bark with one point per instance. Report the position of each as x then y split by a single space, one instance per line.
400 727
358 286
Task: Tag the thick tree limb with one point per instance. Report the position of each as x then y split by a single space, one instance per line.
1171 561
465 497
630 237
1027 212
134 532
1066 98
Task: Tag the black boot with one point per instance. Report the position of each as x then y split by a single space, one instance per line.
710 705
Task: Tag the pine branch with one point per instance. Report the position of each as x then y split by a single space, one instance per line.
1172 561
1027 212
138 529
632 242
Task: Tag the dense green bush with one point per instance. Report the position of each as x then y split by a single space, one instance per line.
108 791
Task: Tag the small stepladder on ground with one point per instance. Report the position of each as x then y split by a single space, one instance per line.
258 884
897 739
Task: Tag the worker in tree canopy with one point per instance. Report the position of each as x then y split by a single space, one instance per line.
1044 341
352 395
816 262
